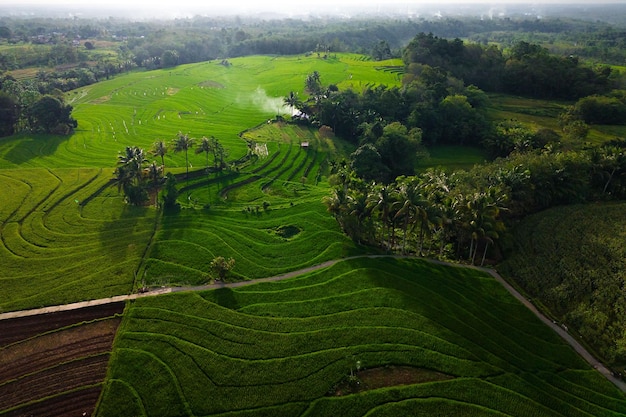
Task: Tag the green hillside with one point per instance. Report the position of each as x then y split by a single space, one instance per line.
199 99
309 346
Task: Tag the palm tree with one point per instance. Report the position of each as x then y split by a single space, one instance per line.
484 225
358 209
381 199
154 172
129 173
410 207
133 159
159 148
336 204
183 143
292 101
205 146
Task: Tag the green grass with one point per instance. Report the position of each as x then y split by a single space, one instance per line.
279 348
201 99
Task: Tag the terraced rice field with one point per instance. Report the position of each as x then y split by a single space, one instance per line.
66 236
376 337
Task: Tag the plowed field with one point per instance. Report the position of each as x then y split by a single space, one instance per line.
54 364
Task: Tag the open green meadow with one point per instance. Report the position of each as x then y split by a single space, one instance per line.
331 342
205 99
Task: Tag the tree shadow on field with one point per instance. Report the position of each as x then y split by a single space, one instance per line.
226 298
23 148
126 238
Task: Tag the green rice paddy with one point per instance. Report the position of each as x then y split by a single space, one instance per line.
288 348
66 234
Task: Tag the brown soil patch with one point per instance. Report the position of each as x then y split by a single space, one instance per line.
387 376
101 100
43 358
78 403
13 330
171 91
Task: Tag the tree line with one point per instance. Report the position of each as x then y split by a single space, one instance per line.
466 214
525 69
24 108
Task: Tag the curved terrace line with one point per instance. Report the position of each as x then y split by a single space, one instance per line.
595 363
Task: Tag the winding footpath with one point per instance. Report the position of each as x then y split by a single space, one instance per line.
561 331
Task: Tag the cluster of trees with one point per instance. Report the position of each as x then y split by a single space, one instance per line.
138 178
433 107
528 69
461 215
24 108
607 109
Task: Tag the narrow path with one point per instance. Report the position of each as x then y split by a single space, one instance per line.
596 364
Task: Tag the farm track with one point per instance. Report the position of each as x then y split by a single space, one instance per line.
54 364
107 301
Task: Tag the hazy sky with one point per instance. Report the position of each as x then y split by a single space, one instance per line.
257 4
182 8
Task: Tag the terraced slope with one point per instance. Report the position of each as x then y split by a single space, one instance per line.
200 99
66 236
289 348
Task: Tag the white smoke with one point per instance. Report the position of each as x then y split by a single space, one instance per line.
267 104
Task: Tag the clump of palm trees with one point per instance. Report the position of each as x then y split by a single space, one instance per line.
139 179
428 215
136 176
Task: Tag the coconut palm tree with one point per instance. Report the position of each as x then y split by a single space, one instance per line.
129 174
207 147
359 211
410 207
183 143
381 199
154 172
159 148
292 101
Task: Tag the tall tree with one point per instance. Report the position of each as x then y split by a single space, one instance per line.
292 101
183 143
154 173
159 148
205 146
50 115
129 174
9 114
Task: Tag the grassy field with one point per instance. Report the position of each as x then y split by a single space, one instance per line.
66 236
453 157
199 99
308 346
